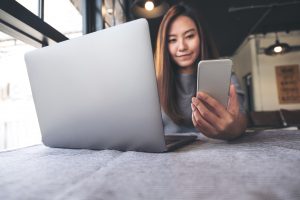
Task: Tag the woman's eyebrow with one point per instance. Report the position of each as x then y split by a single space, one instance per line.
185 32
190 30
170 35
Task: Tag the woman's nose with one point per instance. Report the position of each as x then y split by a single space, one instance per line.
182 45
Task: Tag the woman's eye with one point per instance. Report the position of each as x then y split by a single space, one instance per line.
190 36
172 40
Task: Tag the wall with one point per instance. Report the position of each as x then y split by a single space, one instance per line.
250 58
243 61
266 67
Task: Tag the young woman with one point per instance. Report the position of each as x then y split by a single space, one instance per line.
181 44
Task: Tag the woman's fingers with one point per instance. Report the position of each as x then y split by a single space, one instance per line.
217 107
205 112
216 113
201 124
213 119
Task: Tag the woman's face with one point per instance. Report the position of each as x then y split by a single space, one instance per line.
184 43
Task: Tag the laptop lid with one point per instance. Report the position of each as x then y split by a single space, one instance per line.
98 91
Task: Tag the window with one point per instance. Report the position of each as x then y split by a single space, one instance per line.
62 20
31 5
18 121
60 14
64 17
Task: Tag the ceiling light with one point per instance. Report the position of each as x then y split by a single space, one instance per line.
149 8
149 5
277 48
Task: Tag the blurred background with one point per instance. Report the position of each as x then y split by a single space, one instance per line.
261 37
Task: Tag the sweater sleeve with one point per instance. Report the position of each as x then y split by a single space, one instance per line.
239 91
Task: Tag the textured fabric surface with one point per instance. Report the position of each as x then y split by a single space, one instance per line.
261 165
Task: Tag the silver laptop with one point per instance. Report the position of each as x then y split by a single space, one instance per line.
99 91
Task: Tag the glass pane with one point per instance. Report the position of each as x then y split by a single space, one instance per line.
31 5
64 17
18 121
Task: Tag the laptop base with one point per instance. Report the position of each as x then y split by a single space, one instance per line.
177 141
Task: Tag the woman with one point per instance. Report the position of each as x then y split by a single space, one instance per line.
181 44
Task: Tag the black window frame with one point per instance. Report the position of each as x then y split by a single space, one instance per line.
18 22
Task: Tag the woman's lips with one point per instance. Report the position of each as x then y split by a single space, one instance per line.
184 56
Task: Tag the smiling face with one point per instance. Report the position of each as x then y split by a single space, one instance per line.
184 43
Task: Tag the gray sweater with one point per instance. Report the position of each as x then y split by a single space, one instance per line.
186 89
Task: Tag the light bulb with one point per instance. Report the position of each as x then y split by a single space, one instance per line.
149 5
277 49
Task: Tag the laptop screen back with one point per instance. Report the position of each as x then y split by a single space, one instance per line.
98 91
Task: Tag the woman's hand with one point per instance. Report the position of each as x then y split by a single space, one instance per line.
213 120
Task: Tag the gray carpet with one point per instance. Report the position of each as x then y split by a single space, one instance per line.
261 165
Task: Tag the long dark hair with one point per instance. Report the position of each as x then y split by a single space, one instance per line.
165 68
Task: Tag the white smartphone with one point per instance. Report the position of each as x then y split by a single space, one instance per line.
213 78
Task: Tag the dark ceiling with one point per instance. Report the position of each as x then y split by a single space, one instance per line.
230 21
